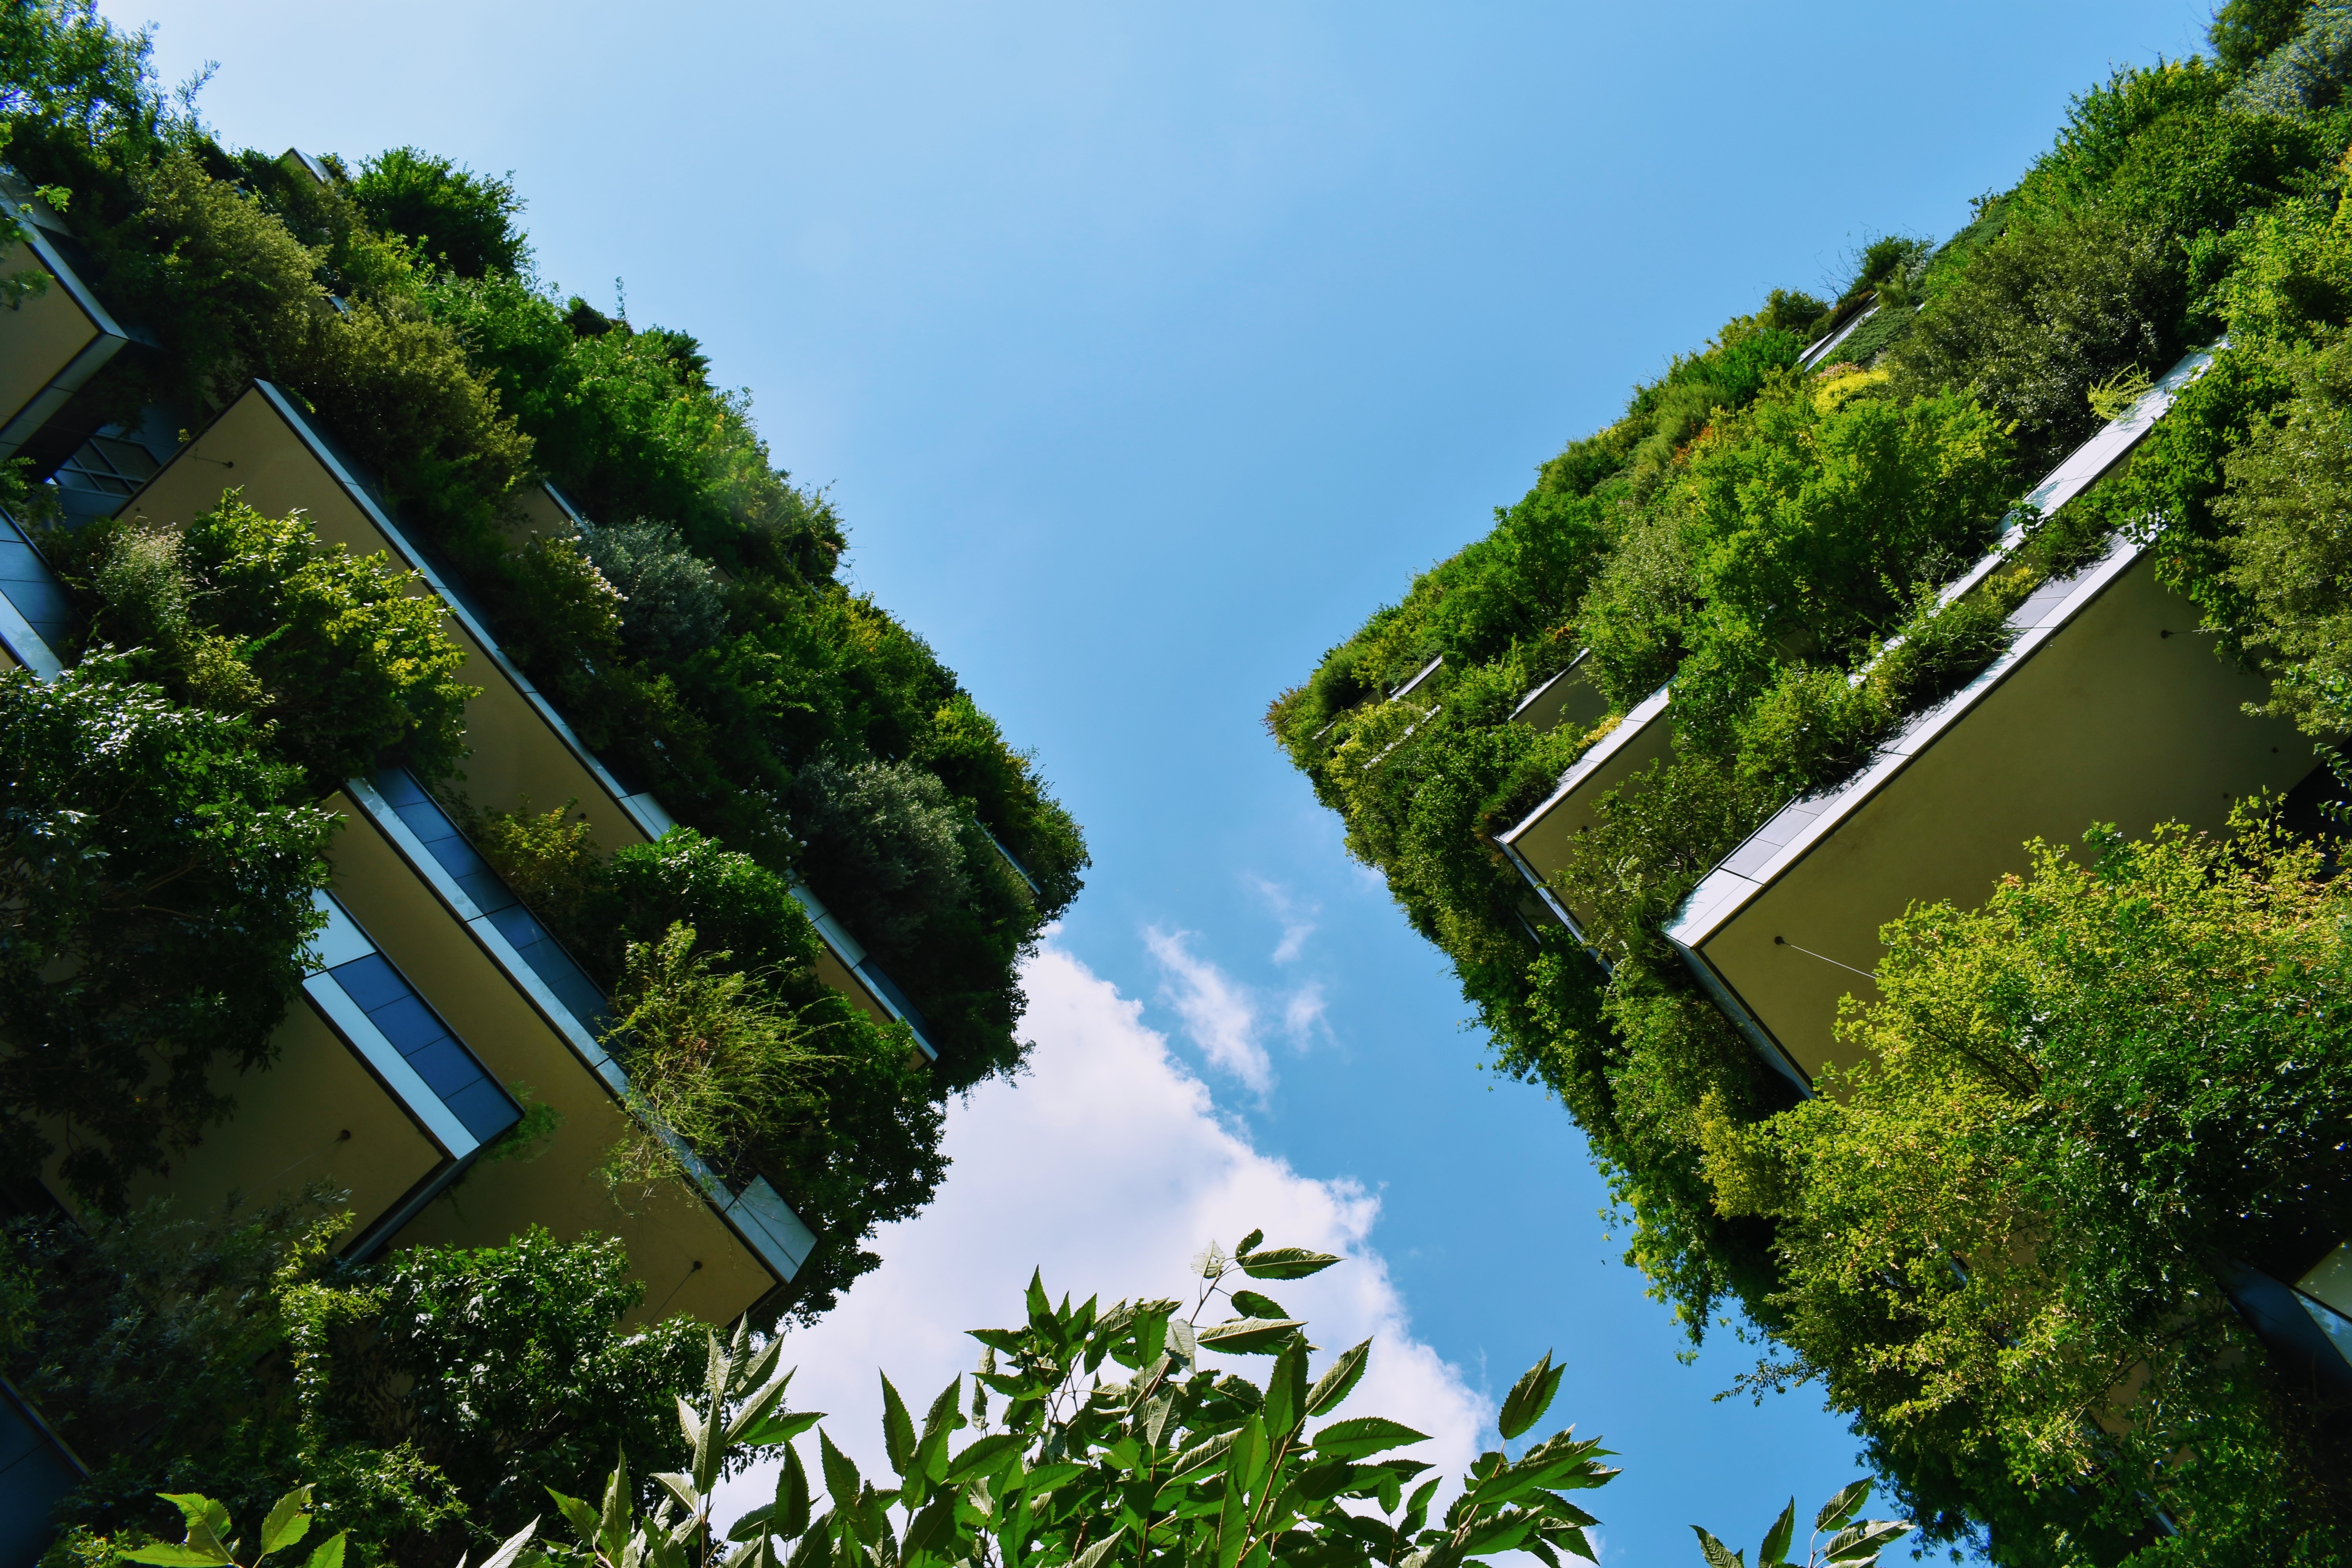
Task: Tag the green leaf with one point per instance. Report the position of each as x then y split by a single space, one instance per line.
171 1555
1250 1336
944 1413
842 1481
1529 1398
1248 1244
1286 1263
1840 1509
779 1426
815 1550
791 1507
1250 1304
1253 1458
1716 1553
207 1522
983 1458
1093 1555
755 1410
1417 1515
1286 1392
1046 1478
682 1486
897 1429
932 1529
287 1522
1863 1542
1009 1340
1364 1435
1775 1550
613 1528
1339 1380
328 1553
579 1515
1232 1526
1200 1456
511 1547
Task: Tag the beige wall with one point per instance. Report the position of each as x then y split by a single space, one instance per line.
2109 721
667 1235
288 1130
1549 843
516 756
38 338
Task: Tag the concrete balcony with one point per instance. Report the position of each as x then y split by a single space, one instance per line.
52 342
2108 707
1568 697
1544 841
542 1022
522 750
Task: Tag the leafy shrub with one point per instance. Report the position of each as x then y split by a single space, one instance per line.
428 1396
2036 1112
885 843
337 654
119 1003
856 1143
461 219
2045 313
713 1059
669 599
2290 504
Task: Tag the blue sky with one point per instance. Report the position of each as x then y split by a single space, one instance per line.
1146 351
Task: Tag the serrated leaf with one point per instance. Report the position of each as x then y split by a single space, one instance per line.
1717 1554
328 1553
1529 1398
779 1426
681 1487
1250 1336
1248 1244
1093 1555
1863 1542
287 1522
756 1409
983 1458
842 1481
1200 1455
1364 1436
1250 1304
1339 1380
1840 1509
1775 1550
1286 1263
791 1507
613 1525
943 1412
175 1554
897 1429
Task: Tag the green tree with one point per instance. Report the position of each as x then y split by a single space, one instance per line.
463 220
2004 1234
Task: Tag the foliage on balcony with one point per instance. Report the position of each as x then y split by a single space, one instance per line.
155 886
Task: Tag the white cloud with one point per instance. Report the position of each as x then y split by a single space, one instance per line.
1219 1012
1297 921
1108 1166
1302 1012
